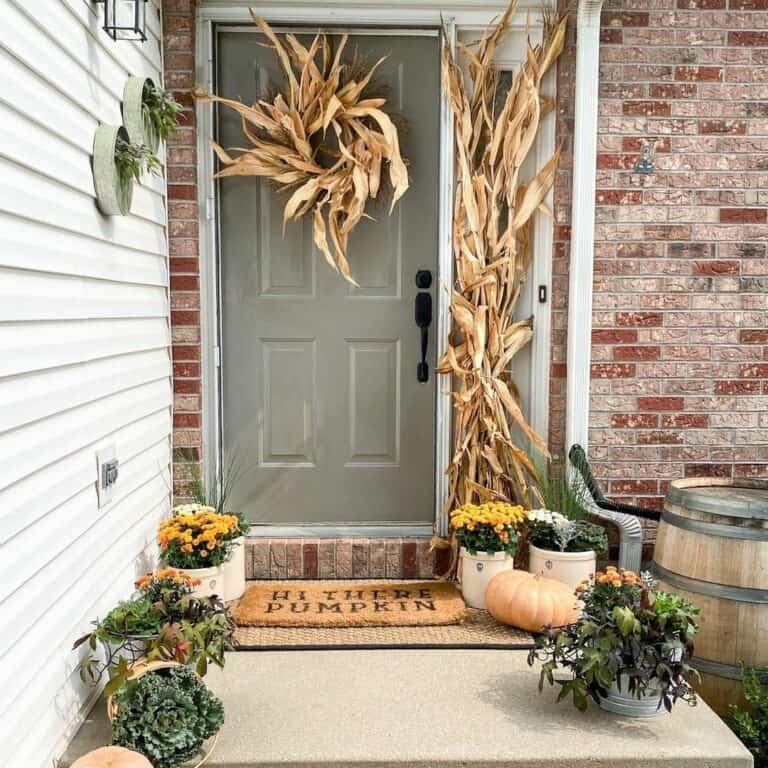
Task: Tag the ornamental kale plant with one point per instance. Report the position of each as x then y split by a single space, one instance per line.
166 715
555 532
630 634
751 726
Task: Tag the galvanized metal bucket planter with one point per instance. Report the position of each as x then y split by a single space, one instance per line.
622 702
140 128
113 197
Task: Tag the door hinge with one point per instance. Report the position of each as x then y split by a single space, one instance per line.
210 207
217 356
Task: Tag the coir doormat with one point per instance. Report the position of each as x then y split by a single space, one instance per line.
349 604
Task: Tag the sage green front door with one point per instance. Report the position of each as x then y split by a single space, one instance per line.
321 406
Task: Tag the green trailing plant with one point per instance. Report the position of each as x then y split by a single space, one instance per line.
751 725
160 111
132 160
166 715
629 633
555 532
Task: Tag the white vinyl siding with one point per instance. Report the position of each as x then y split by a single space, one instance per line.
84 362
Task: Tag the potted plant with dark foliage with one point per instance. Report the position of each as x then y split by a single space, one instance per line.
751 723
165 712
628 652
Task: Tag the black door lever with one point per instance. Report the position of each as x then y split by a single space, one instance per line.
423 321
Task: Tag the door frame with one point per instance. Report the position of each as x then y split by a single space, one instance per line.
451 16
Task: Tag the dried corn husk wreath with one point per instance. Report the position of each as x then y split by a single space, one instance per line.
287 140
493 214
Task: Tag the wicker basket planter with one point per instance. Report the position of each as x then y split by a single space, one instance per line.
140 130
143 667
113 198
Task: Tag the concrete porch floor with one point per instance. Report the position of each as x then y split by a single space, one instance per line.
429 709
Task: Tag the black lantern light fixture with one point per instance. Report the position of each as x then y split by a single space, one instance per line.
125 19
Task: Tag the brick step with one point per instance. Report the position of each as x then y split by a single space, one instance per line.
343 558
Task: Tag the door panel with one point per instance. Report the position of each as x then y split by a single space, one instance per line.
321 407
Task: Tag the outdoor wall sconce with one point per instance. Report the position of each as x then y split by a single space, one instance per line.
125 19
646 163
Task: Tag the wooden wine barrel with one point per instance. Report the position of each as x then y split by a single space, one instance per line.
712 548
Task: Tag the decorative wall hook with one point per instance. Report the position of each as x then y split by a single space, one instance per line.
646 163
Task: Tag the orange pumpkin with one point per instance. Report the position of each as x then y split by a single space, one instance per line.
530 601
112 757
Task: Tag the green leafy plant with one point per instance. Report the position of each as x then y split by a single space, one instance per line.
132 160
160 110
751 725
629 633
166 715
555 532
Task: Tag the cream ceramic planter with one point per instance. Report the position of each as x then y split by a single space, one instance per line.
113 198
570 568
475 571
622 702
212 580
234 572
140 130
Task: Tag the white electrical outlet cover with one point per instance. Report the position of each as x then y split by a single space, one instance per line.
103 456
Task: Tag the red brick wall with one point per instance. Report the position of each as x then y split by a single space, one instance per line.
680 345
179 52
680 355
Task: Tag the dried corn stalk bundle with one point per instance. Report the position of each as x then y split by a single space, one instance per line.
287 141
493 214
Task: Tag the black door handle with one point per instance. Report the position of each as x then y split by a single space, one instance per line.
423 321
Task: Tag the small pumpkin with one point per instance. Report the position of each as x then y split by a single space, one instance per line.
530 601
112 757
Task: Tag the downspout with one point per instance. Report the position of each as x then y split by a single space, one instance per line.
582 263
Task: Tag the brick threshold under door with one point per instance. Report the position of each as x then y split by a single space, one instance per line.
343 558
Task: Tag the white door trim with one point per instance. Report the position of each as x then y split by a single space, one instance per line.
582 225
451 15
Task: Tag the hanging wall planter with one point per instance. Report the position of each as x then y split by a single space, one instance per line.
136 118
113 194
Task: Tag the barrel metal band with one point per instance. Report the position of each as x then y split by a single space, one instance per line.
710 589
719 669
714 529
693 499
